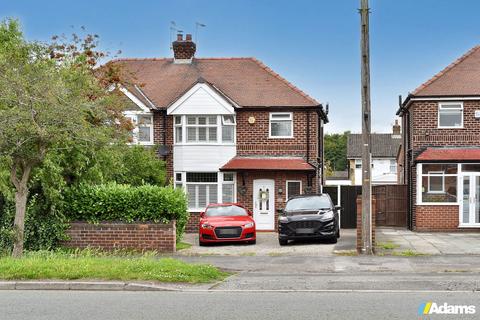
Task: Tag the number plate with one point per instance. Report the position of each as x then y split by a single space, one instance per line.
304 230
228 231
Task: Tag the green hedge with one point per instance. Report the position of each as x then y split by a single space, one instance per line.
116 202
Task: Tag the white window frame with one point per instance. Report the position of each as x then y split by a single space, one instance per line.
234 125
219 125
358 162
445 104
134 116
220 182
286 187
436 174
419 194
196 125
290 119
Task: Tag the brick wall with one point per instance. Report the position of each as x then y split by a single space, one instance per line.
252 139
135 236
158 132
437 218
359 223
193 222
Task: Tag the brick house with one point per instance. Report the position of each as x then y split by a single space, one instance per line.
229 129
385 148
441 153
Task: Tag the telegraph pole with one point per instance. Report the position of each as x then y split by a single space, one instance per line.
366 130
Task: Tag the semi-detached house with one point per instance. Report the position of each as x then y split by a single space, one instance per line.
229 129
441 153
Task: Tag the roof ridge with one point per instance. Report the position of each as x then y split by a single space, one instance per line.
285 81
166 58
446 69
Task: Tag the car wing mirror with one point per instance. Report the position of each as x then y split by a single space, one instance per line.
280 211
338 208
202 214
250 213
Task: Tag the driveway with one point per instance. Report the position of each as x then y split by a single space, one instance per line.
402 241
267 245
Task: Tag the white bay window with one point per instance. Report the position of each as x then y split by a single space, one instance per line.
438 183
204 129
203 188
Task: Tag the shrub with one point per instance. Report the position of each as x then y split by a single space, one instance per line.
116 202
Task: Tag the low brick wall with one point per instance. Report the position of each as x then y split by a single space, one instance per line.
359 222
436 218
112 235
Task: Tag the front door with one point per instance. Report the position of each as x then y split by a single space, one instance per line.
264 204
470 201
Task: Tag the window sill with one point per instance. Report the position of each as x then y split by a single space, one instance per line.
270 137
451 127
466 226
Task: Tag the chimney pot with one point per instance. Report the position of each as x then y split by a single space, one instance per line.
183 50
397 131
188 37
179 37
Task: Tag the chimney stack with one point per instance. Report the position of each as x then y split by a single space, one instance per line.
396 130
183 50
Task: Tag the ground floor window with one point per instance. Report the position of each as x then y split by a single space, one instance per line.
294 188
438 183
203 188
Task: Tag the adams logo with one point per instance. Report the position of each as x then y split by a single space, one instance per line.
434 308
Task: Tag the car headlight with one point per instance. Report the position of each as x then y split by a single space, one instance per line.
283 219
328 215
249 225
207 225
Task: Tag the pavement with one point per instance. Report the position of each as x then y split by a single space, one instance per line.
73 305
267 245
435 243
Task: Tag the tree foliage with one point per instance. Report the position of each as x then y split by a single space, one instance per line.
59 127
336 151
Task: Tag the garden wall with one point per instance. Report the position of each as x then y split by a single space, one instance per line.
117 235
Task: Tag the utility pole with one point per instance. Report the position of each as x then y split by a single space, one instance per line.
366 132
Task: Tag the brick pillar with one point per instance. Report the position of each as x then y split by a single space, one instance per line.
359 222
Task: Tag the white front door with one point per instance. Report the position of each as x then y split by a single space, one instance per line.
470 201
264 204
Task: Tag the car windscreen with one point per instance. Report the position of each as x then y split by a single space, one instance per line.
309 203
228 211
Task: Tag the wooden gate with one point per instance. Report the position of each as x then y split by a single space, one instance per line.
392 205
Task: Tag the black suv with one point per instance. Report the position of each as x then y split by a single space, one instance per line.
309 217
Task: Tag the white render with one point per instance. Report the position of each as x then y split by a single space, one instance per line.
201 99
381 173
201 158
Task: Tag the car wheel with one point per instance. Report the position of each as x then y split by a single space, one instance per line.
252 242
333 239
202 244
283 242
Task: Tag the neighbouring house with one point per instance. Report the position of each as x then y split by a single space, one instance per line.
384 147
441 157
229 129
338 178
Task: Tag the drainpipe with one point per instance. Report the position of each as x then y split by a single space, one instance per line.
164 134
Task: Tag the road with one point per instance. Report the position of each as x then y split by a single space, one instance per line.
53 305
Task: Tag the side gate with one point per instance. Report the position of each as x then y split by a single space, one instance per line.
345 196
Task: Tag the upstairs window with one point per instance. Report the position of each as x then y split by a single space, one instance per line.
201 129
450 115
281 125
143 130
228 129
178 129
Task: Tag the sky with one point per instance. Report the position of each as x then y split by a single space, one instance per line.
313 44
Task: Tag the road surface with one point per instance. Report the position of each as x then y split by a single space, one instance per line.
60 305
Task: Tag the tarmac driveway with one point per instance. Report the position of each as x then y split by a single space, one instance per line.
267 245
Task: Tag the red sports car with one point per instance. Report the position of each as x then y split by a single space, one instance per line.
226 222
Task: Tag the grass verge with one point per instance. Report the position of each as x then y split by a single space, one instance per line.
183 245
387 245
91 264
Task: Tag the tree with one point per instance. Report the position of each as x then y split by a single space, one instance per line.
336 151
50 99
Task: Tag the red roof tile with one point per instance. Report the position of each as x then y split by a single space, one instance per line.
450 154
244 163
461 77
247 81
